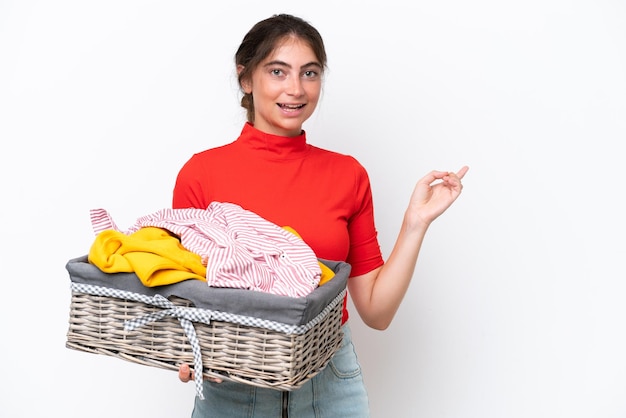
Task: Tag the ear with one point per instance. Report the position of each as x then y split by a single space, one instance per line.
246 84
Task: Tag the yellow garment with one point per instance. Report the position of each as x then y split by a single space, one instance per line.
157 257
327 272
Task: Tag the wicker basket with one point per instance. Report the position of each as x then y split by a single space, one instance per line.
265 354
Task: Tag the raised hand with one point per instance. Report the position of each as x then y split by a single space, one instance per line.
433 194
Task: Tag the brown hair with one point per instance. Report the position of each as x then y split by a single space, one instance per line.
261 41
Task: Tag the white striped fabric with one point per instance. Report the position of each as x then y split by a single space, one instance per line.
239 248
101 221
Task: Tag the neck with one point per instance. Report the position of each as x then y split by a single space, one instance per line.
273 146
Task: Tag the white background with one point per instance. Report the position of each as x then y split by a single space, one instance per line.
517 304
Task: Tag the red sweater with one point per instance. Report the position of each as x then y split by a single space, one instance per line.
324 196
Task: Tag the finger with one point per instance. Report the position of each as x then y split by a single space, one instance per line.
185 374
461 173
432 176
455 178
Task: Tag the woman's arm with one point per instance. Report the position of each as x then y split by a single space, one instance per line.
378 294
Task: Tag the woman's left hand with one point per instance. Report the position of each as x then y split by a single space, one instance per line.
433 194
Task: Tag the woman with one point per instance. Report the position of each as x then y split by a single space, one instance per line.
271 170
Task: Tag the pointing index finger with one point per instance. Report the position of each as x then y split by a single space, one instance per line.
461 173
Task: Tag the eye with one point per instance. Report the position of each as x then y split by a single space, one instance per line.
311 74
276 72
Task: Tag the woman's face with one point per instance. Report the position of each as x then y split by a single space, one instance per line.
285 87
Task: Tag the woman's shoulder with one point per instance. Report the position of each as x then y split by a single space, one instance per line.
214 152
336 157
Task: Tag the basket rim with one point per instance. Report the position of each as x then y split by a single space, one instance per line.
205 315
256 304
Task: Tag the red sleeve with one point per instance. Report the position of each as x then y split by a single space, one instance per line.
188 190
365 254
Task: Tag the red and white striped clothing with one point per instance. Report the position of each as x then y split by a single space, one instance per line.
239 248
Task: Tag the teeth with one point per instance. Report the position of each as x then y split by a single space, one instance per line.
291 106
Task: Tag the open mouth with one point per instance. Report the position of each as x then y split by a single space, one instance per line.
290 107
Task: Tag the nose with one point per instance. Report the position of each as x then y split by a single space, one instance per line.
294 87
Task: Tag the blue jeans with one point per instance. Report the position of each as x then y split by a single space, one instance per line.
337 391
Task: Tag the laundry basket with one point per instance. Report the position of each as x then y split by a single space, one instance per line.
246 336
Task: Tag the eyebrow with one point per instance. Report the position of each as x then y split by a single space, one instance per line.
284 64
